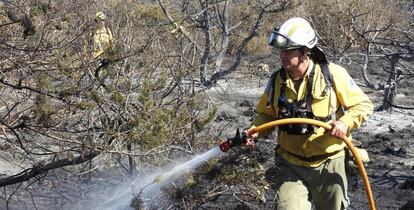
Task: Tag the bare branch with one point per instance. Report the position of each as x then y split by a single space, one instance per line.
41 169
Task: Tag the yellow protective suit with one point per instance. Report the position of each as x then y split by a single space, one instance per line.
102 43
356 108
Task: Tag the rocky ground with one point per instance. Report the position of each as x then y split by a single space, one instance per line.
245 178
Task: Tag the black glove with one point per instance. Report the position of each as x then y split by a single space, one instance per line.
105 62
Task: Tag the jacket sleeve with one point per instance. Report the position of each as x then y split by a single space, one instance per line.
357 105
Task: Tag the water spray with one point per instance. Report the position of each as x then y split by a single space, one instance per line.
151 186
169 175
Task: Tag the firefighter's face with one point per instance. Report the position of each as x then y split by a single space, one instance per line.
290 59
101 22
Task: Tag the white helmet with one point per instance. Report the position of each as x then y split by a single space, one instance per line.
100 16
294 33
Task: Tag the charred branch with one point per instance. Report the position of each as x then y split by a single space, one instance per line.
40 169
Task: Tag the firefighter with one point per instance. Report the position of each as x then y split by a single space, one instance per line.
102 40
312 161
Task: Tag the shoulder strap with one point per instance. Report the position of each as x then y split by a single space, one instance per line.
283 74
327 74
329 81
309 87
270 89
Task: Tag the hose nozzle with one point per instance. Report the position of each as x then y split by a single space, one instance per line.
239 139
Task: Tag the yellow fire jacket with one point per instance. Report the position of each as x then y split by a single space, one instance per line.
102 43
356 107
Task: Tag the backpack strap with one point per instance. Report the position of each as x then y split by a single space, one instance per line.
309 96
329 81
270 90
327 74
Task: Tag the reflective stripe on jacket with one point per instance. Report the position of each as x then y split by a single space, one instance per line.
348 95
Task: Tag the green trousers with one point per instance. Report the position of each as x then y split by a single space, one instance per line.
324 186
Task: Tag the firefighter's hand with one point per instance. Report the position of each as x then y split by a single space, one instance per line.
339 129
105 62
251 142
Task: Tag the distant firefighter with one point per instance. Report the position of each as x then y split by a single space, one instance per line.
103 46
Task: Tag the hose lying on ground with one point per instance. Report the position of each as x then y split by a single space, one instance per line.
348 143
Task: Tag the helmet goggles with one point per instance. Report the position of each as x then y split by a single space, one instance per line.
281 41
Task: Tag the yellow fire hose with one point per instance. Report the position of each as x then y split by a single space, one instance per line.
348 143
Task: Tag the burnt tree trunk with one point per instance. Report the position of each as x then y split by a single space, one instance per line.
365 67
207 45
391 86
